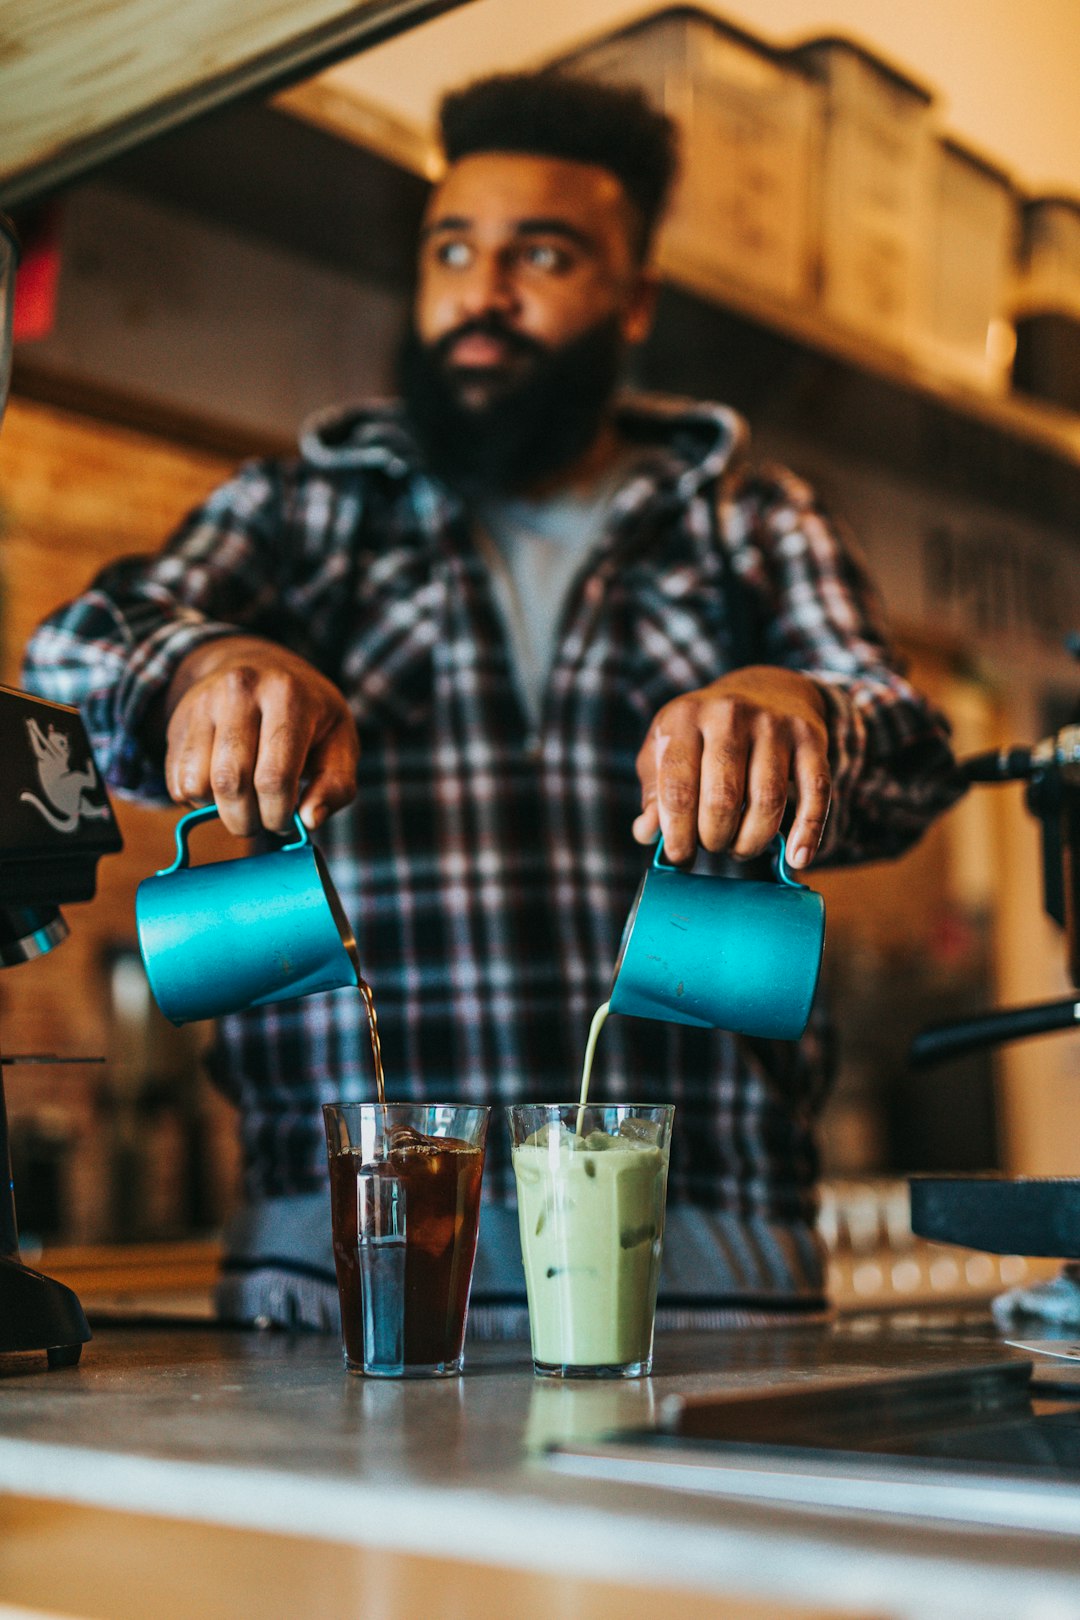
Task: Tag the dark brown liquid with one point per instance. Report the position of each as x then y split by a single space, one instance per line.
376 1046
442 1213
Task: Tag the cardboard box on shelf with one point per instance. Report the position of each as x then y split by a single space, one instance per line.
970 268
1047 302
1048 279
876 164
749 119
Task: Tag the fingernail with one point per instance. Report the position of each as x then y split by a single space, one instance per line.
799 857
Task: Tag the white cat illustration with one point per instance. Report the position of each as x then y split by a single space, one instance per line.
62 786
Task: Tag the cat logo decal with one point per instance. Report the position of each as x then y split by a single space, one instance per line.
63 787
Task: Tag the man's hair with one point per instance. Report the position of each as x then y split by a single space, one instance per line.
556 114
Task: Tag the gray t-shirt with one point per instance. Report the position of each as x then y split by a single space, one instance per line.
535 551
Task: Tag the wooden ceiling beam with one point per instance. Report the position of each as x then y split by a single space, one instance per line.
84 80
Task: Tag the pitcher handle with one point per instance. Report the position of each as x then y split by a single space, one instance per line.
660 860
783 871
208 812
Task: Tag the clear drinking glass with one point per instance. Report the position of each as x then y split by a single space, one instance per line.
592 1188
405 1206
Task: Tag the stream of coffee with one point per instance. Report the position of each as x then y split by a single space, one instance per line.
376 1047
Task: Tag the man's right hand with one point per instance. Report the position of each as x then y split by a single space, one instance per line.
251 727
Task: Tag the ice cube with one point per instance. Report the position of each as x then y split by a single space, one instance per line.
598 1142
404 1139
632 1237
433 1235
645 1131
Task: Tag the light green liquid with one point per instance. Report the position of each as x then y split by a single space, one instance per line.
592 1223
598 1021
591 1212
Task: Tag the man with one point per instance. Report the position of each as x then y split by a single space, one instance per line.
493 642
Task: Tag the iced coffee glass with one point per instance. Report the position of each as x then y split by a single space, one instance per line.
591 1186
405 1205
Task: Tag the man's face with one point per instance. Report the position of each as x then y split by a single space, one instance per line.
520 257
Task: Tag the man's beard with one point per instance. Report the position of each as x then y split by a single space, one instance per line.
530 427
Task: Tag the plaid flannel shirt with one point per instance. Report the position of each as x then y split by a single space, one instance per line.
487 867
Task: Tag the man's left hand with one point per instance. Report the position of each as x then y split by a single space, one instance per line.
717 766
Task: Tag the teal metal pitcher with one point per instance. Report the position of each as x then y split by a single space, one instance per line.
720 952
234 934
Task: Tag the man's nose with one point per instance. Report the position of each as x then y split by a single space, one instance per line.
488 287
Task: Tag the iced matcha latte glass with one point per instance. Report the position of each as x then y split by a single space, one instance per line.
591 1185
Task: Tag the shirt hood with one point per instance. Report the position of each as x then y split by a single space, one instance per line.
696 440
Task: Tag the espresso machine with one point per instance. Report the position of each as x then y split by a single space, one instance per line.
1026 1215
55 824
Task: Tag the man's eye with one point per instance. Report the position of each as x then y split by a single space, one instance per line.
455 255
544 256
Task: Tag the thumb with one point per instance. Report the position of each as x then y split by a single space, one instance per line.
331 774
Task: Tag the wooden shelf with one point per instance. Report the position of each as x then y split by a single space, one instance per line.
797 381
1045 427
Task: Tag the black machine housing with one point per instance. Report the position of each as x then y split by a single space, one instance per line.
1018 1215
55 825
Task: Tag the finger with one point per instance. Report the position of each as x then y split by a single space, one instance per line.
767 778
331 773
813 790
190 742
232 758
285 741
295 715
213 738
646 827
678 783
723 782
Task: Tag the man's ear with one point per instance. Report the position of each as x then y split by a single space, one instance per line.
637 316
